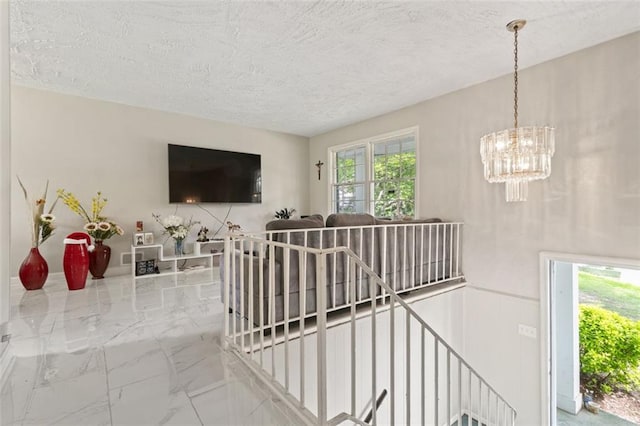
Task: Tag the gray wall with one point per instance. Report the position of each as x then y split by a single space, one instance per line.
85 145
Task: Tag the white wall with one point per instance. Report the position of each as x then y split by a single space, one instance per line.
589 205
85 145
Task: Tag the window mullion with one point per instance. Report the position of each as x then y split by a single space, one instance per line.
369 175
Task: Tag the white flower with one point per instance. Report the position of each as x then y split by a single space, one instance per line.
91 226
104 226
47 218
179 233
119 230
172 221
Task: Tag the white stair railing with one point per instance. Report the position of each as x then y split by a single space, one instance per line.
323 374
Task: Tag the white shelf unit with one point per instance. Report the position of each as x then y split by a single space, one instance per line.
171 260
216 245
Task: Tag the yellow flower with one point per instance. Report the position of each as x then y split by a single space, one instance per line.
74 205
97 226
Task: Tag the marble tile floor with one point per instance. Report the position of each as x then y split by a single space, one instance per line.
119 353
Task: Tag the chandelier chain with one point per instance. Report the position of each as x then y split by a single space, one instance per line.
515 78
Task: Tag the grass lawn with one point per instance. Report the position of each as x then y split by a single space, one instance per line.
616 296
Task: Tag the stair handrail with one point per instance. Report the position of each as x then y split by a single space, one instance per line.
418 318
321 325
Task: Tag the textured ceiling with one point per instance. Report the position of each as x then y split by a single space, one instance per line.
291 66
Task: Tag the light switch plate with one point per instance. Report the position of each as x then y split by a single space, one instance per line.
528 331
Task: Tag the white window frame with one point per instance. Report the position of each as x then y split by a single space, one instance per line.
369 143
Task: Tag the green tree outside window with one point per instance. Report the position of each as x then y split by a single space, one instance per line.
389 191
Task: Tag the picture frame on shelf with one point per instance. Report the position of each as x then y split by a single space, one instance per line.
145 267
138 239
148 238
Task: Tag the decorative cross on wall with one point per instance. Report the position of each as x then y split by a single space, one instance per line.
319 165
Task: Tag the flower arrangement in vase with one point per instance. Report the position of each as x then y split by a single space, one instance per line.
176 227
97 226
34 270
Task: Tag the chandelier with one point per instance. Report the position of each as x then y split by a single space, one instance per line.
521 154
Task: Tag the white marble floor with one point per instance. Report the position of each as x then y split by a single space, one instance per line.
119 353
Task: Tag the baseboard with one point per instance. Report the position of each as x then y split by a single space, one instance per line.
112 271
16 280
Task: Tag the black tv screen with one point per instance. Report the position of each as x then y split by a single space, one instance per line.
201 175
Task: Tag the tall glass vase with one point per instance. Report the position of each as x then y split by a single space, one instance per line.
179 247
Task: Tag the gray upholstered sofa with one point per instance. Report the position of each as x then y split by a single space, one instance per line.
393 252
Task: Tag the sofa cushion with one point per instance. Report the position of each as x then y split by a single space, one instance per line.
350 219
381 221
314 217
313 221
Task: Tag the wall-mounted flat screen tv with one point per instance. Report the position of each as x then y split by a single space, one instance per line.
201 175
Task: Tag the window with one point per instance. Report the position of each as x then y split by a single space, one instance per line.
351 180
376 176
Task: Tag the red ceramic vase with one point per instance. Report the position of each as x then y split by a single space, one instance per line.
75 261
34 270
99 259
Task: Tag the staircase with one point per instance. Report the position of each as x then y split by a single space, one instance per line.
465 421
331 368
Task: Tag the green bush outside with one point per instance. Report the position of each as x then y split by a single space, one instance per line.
609 350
